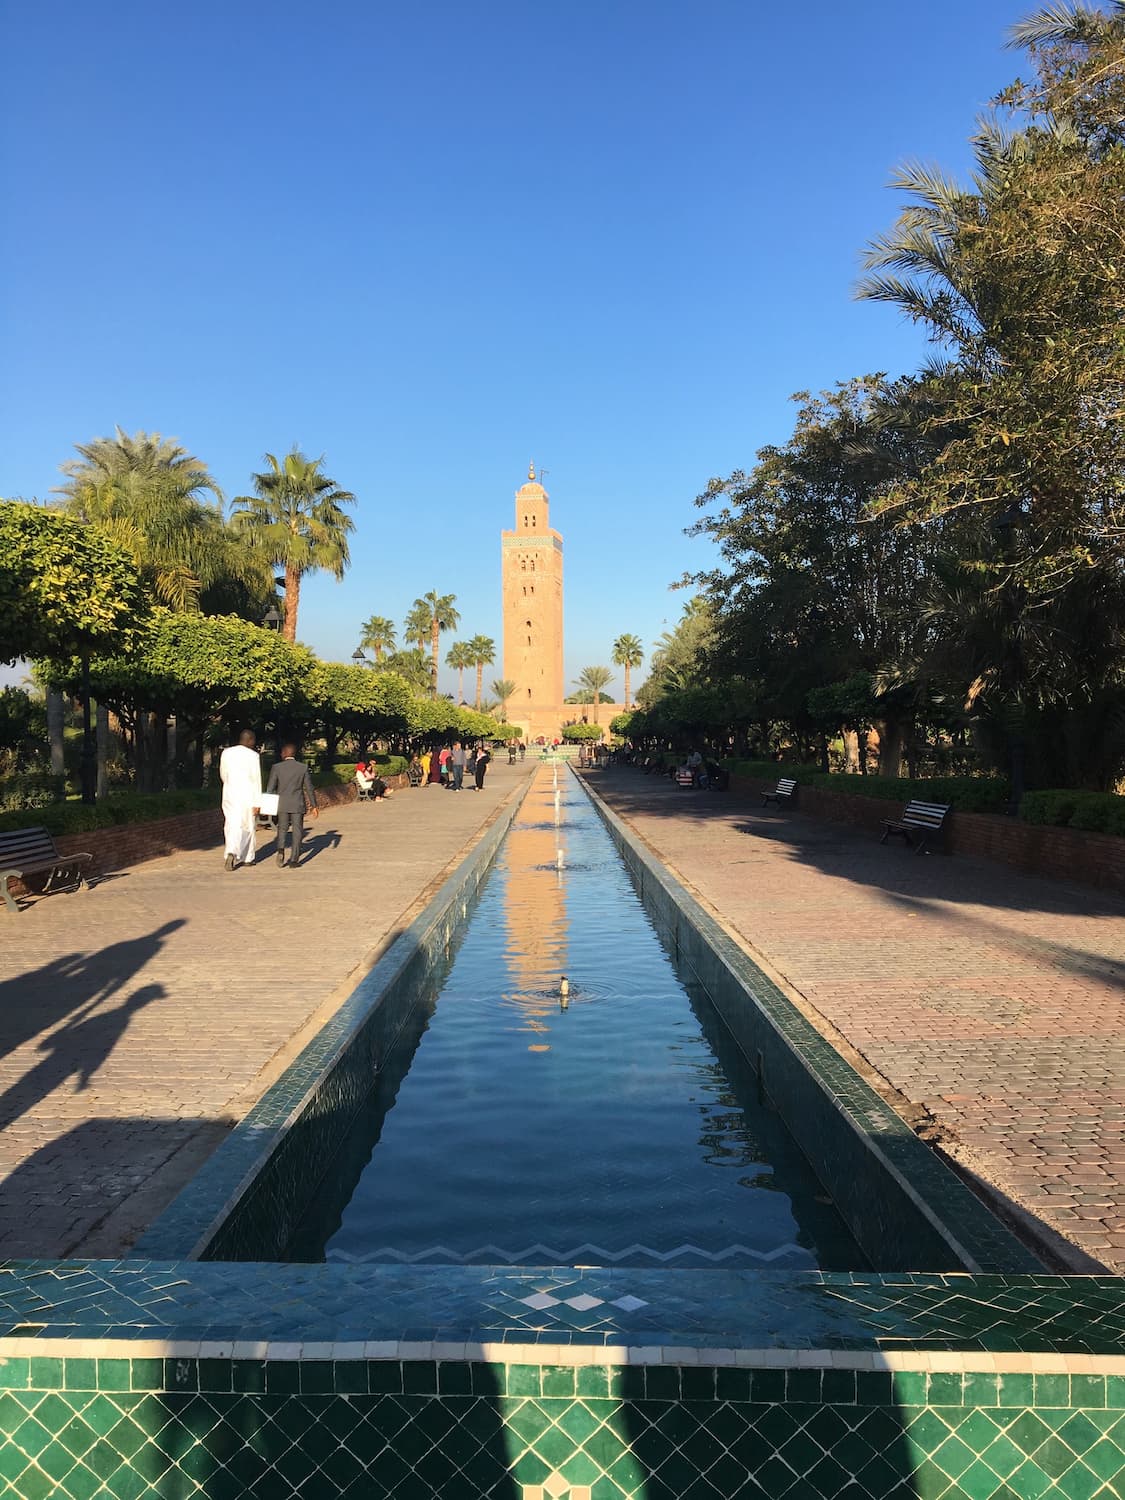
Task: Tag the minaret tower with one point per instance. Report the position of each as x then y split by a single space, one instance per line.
532 575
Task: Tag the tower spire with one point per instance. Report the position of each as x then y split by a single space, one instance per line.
531 472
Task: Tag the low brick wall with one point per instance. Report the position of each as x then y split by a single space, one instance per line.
126 844
1096 859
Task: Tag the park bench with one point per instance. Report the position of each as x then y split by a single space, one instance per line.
920 822
784 791
31 851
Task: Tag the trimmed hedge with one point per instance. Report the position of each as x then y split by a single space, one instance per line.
344 771
968 793
1094 812
123 807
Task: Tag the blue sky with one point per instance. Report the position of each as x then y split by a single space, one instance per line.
434 241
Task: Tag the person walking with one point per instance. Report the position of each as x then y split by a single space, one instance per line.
523 751
291 781
434 777
240 771
457 764
484 755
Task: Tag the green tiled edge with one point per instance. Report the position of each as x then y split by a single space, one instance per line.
418 1429
676 1383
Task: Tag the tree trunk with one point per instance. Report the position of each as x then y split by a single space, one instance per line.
292 599
56 715
861 742
460 687
851 752
890 747
480 678
101 743
627 687
596 701
435 637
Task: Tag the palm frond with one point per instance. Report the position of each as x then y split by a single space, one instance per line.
1056 25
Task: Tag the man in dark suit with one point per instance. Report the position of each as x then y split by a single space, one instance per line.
291 781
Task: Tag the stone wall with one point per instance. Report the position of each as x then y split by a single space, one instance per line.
1096 859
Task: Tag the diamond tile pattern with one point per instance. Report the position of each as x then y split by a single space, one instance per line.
229 1429
751 1309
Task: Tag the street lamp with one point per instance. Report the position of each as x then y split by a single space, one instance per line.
358 656
272 619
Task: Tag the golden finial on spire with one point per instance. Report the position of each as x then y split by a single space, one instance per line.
531 472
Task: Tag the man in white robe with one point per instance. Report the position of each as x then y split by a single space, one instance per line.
240 771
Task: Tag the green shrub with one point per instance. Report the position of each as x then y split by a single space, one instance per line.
30 789
343 771
968 793
124 807
1095 812
770 770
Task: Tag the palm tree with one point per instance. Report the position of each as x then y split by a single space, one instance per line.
160 503
378 635
416 626
503 687
295 518
440 615
628 653
594 678
410 665
482 653
459 658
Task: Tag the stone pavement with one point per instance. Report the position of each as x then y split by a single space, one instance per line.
990 1002
141 1018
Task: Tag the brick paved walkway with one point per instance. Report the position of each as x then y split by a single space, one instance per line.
141 1018
994 1000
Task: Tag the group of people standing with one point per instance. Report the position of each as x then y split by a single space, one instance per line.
449 766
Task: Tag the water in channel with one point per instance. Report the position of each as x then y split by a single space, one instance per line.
615 1125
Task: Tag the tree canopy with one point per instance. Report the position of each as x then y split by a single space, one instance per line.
64 587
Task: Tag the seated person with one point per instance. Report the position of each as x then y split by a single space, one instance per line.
364 777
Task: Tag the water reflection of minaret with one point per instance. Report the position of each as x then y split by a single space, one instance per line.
535 912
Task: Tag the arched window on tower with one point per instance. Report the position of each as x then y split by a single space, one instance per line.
535 522
529 640
529 692
533 565
523 564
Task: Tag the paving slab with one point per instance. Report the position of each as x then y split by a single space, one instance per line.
141 1018
991 1003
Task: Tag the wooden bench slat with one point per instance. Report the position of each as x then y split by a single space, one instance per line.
30 851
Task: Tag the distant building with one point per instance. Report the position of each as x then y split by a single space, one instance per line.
531 563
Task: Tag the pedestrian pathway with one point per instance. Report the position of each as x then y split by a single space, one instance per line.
141 1018
992 1002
